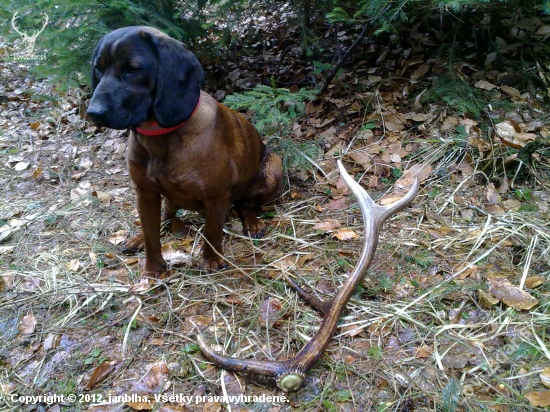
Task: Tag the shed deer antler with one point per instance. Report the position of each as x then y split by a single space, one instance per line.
290 373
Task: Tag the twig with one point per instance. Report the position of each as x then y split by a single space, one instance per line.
342 60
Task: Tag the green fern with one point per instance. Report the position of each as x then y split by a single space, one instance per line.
458 94
449 396
298 156
422 259
274 109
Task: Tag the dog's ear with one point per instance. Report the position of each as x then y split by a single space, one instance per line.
179 81
95 78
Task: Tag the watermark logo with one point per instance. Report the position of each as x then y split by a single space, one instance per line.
29 40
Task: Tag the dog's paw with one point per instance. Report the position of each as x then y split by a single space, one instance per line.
158 270
213 264
254 228
133 245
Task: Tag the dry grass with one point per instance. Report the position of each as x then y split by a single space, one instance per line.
415 336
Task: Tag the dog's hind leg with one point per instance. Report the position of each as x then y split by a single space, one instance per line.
264 188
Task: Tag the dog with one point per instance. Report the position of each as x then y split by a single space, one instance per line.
184 146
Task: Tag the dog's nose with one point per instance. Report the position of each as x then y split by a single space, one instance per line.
97 114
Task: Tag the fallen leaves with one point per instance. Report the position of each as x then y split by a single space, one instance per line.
345 234
100 373
545 377
511 134
327 225
27 324
511 295
270 311
538 398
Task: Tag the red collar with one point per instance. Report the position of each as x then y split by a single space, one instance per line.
153 129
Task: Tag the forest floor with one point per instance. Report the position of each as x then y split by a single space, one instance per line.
453 315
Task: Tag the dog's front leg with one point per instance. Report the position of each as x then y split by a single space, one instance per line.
148 204
215 212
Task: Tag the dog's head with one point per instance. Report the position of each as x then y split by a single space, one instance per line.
140 72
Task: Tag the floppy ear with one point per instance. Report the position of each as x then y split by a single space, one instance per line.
95 78
179 81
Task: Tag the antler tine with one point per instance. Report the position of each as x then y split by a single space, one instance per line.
38 31
13 19
290 373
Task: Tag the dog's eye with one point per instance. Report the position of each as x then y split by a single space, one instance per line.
133 70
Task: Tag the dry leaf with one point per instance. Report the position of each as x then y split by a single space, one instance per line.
534 281
118 237
421 71
539 398
341 186
270 311
545 377
492 194
85 163
394 123
449 123
327 225
510 91
35 125
485 300
455 315
345 234
405 182
143 285
466 270
157 377
233 385
27 324
491 57
336 205
348 359
335 150
362 158
482 84
103 197
100 373
21 166
175 256
395 158
234 300
51 341
329 135
421 171
508 129
511 204
37 173
73 265
417 103
511 295
423 351
141 406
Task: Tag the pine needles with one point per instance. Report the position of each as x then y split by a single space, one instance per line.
273 108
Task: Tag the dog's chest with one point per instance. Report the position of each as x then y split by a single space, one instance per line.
162 166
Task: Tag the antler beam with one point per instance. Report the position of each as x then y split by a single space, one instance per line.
290 373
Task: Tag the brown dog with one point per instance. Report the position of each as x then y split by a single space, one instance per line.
184 146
